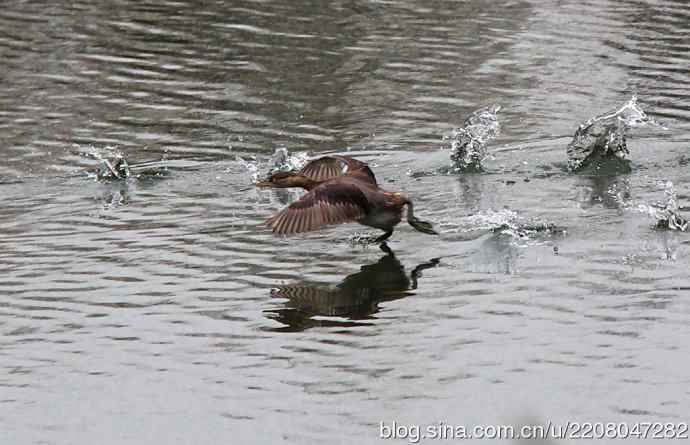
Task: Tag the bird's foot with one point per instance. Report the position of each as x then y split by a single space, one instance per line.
422 226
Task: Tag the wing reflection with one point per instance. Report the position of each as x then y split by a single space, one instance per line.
356 297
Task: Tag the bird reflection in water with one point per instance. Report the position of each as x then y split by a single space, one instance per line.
356 297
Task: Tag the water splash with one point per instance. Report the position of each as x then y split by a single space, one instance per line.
360 239
667 213
252 167
281 160
112 164
115 168
468 143
604 136
491 219
508 222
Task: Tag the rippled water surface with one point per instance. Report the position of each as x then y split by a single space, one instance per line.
159 310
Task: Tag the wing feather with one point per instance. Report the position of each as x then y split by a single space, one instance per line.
329 203
292 225
331 167
323 169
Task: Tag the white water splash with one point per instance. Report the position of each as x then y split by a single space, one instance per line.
112 163
491 219
667 213
604 136
281 160
99 153
507 222
631 115
251 166
468 143
361 239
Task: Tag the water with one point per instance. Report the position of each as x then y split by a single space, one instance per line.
666 213
602 139
468 143
157 309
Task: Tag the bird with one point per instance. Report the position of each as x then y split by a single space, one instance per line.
340 189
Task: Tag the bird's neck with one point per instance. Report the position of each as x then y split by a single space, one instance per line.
410 211
401 199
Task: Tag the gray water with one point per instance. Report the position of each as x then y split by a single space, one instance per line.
158 310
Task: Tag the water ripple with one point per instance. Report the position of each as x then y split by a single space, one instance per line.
163 297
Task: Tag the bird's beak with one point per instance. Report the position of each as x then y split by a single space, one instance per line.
263 184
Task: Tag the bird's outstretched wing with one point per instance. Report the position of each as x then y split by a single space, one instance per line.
329 203
330 167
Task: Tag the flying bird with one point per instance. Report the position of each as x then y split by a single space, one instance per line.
340 189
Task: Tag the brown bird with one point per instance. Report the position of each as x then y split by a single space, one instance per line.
341 189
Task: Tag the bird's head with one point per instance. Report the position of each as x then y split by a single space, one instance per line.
284 180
